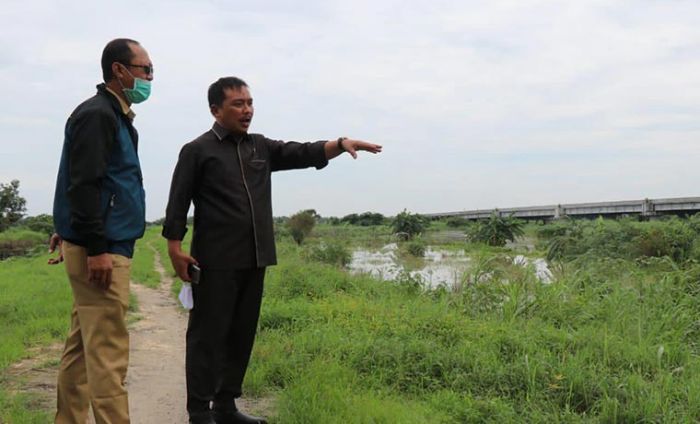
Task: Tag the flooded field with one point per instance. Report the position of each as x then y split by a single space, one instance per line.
437 267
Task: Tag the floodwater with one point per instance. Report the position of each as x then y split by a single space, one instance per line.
437 268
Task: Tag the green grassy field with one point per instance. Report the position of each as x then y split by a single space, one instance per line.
614 339
610 341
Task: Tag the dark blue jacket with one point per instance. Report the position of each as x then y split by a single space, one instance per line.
99 197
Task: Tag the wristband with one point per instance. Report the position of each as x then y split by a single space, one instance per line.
340 143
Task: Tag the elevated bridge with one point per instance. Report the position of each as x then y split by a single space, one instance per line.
643 208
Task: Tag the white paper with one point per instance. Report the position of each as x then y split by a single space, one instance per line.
185 296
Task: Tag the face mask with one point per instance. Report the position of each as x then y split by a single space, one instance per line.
140 92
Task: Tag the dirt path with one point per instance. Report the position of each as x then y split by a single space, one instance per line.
156 376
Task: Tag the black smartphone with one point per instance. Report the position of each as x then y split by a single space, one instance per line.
194 271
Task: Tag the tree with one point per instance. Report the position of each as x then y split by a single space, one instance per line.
300 225
365 219
12 205
497 230
313 213
409 224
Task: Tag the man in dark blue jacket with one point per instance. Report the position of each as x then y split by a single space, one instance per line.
99 213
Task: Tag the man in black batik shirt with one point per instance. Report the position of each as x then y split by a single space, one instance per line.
225 172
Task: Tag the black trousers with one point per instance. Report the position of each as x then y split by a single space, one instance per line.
220 335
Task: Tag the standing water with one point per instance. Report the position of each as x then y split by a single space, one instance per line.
437 267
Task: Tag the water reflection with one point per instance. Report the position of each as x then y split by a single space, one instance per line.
437 267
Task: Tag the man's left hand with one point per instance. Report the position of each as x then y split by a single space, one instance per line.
55 242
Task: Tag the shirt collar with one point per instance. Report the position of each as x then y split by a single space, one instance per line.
126 110
221 133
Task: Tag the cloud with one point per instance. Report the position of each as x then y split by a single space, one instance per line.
477 103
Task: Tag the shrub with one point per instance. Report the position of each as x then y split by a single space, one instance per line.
673 238
41 223
19 241
415 247
457 222
332 253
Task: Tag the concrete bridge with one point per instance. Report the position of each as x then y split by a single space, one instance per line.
643 208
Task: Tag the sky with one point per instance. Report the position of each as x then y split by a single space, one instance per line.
478 104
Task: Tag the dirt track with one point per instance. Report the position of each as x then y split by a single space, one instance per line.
156 376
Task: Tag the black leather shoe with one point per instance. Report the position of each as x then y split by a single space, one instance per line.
235 417
204 417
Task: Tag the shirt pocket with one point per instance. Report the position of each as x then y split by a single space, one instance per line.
257 164
258 173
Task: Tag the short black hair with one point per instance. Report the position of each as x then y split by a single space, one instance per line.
117 50
216 94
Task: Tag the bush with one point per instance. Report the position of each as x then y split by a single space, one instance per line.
557 228
673 238
41 223
409 224
332 253
415 247
300 225
623 239
19 241
457 222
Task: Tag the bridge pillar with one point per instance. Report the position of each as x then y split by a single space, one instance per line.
559 212
648 208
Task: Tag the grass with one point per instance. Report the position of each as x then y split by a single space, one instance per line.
35 305
142 264
152 240
612 340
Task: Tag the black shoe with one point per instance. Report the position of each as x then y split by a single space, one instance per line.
204 417
235 417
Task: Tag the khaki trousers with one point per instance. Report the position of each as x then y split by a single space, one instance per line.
96 355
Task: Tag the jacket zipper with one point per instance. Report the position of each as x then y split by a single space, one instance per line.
110 206
250 200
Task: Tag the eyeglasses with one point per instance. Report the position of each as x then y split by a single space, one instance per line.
148 69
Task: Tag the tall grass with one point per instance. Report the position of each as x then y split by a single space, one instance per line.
610 341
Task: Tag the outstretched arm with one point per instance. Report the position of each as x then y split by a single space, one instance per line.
334 148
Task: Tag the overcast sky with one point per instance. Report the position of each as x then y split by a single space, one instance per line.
478 104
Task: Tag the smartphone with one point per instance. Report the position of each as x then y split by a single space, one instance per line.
194 272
